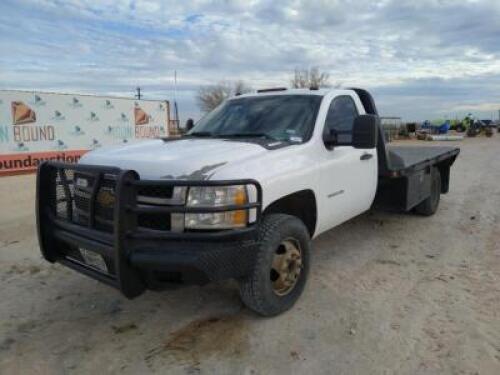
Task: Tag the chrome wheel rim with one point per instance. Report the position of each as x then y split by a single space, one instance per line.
286 267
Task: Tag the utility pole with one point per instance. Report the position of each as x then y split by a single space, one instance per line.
176 109
175 86
138 95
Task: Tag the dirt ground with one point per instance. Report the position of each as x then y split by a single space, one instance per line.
388 294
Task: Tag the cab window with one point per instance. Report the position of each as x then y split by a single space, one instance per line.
340 119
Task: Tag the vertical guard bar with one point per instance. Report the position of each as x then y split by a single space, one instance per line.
67 191
45 191
93 198
129 280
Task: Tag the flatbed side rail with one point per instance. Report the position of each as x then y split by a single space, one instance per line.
407 171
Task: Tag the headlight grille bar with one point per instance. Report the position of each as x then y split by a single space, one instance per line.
195 210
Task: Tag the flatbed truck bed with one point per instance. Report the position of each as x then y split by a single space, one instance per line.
409 175
404 159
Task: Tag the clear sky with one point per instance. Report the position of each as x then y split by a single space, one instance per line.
422 59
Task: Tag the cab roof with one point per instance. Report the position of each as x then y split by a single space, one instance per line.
285 91
363 95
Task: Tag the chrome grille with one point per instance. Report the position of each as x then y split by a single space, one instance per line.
73 197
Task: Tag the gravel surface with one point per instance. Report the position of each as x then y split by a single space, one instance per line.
388 294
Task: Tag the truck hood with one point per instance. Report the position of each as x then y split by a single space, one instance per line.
186 159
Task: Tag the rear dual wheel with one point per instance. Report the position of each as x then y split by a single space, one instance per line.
281 268
429 206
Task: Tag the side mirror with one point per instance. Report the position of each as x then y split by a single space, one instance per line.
189 124
365 131
330 138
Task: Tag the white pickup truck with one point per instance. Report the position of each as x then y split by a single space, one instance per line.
240 196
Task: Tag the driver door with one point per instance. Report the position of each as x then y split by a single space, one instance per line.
348 175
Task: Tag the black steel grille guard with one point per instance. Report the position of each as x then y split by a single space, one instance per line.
55 232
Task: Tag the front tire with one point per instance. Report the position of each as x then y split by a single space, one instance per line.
281 267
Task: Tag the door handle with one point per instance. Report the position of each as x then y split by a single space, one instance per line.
366 156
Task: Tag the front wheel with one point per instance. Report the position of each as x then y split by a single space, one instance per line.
281 267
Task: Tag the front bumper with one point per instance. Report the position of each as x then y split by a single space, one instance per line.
136 258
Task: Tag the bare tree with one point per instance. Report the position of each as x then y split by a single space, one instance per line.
209 97
307 78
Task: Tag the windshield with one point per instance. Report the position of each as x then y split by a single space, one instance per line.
279 117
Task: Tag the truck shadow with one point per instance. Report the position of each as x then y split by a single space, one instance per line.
365 227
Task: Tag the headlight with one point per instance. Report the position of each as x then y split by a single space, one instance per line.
217 196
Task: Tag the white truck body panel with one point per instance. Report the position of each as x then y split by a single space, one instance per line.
344 185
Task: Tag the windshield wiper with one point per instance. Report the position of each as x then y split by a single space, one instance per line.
200 134
249 135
